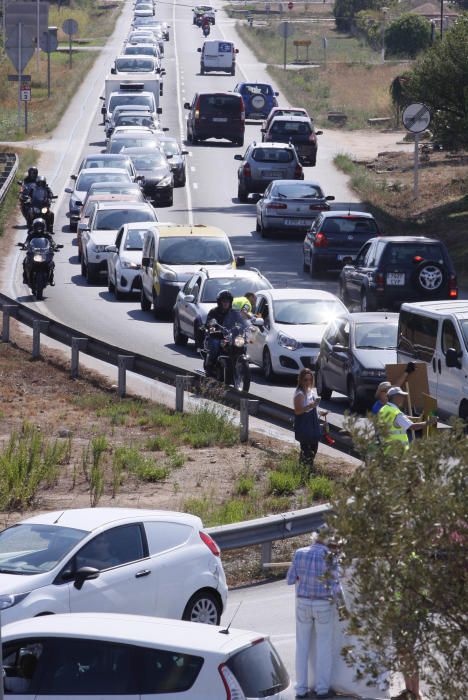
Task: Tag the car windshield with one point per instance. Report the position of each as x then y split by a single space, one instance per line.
171 148
238 287
132 142
349 224
134 239
112 219
413 253
273 155
134 65
129 100
34 549
134 120
376 336
183 250
85 180
149 161
119 163
291 128
143 50
114 188
306 311
297 190
258 89
39 243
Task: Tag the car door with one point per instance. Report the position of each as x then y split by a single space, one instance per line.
124 584
450 380
187 310
114 257
309 240
339 359
258 334
353 275
147 277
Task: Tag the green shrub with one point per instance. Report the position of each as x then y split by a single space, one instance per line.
321 488
283 484
207 427
245 485
407 36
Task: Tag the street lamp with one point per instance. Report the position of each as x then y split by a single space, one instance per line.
384 20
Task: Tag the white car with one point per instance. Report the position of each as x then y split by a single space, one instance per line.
294 323
103 225
101 656
143 562
83 182
143 10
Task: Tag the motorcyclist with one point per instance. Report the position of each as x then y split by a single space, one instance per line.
30 178
27 185
38 230
41 196
225 316
206 25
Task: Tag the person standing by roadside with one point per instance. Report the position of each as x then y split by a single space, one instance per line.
397 423
307 428
314 572
381 393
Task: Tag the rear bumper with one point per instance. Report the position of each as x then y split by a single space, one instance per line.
285 223
226 130
393 298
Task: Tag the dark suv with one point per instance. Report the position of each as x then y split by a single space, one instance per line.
219 115
393 269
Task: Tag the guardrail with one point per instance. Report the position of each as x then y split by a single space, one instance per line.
9 178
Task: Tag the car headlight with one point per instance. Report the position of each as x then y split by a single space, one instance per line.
165 181
290 343
97 248
129 265
239 341
374 372
166 274
8 601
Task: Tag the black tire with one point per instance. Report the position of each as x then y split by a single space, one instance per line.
110 284
39 285
267 367
198 336
204 606
233 70
92 274
242 194
202 70
179 338
463 410
145 304
305 266
240 142
322 389
241 375
156 306
263 231
118 294
182 181
355 403
258 227
83 266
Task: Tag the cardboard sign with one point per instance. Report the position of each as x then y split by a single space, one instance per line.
417 384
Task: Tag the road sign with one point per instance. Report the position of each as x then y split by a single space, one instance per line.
416 117
19 46
48 42
15 78
26 92
70 27
285 29
27 14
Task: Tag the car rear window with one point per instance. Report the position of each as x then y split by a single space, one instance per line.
238 287
142 50
134 120
411 253
213 104
184 250
258 90
130 65
291 128
118 100
85 180
259 670
297 190
149 161
273 155
111 220
349 224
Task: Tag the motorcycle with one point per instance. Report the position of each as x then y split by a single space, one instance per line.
199 21
232 365
206 29
39 264
43 211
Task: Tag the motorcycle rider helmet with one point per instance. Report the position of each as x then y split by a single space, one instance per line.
39 226
41 181
224 295
32 172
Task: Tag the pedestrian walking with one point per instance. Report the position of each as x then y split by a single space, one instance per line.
307 428
314 572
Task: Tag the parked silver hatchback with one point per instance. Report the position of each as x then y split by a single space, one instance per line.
262 163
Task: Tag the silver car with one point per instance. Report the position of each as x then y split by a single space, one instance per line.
290 206
264 162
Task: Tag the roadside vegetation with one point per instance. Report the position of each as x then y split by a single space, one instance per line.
26 158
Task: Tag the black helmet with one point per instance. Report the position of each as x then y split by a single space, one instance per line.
224 295
32 172
39 225
40 180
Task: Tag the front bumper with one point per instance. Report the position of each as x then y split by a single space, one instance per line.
290 362
128 280
167 294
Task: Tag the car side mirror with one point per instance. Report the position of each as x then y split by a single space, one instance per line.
259 322
59 246
263 131
199 50
189 298
339 348
103 111
101 97
79 204
452 358
330 198
145 262
111 249
169 156
68 190
114 71
240 260
276 94
86 573
236 50
238 157
165 128
73 177
186 105
184 153
20 245
318 133
140 178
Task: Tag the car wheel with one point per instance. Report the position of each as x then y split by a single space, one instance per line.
110 284
83 267
198 335
322 389
233 70
355 403
267 366
240 142
263 230
170 200
202 70
118 294
429 277
204 607
463 411
242 194
179 338
182 180
258 227
144 302
92 274
315 269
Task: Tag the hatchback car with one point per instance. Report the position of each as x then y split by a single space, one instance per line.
219 115
294 323
131 137
124 261
107 160
290 206
391 270
353 355
281 112
297 130
135 64
141 50
176 157
83 182
263 163
154 171
129 657
111 560
336 237
199 294
259 99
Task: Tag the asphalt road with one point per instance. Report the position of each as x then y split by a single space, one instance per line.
209 198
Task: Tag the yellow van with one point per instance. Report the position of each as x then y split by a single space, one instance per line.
171 254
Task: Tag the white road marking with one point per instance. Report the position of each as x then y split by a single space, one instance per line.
180 101
192 168
195 186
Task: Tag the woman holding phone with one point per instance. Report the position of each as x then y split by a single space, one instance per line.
307 428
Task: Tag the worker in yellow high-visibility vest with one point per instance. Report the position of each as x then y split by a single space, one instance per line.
398 424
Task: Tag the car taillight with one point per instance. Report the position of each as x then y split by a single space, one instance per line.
277 206
231 684
197 110
313 137
453 288
321 241
379 281
298 172
246 170
210 543
318 207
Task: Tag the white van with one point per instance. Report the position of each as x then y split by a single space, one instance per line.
218 56
436 332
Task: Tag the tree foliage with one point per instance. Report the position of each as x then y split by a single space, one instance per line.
345 10
404 534
407 35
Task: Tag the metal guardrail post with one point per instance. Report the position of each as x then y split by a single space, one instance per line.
8 310
77 344
182 382
38 326
125 362
247 407
266 553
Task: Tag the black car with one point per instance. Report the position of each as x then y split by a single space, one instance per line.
176 157
336 237
353 354
155 175
390 270
219 115
299 131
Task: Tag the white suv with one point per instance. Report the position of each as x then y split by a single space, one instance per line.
144 562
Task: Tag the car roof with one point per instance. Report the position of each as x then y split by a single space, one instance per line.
90 519
115 184
292 118
216 272
347 213
128 205
294 293
141 150
459 307
197 230
272 144
247 83
112 197
133 56
104 156
315 183
372 317
131 130
102 171
408 239
220 94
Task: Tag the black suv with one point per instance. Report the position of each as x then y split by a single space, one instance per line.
390 270
219 115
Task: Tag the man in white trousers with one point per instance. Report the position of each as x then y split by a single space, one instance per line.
315 575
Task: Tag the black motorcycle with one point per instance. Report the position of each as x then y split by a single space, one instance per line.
43 211
232 364
39 264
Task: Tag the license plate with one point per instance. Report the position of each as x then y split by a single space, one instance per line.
220 119
271 173
296 222
396 278
345 257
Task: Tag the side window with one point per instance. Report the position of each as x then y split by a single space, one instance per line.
118 239
168 671
163 536
23 663
91 667
370 257
450 337
151 249
189 285
417 336
120 545
330 335
342 334
362 255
